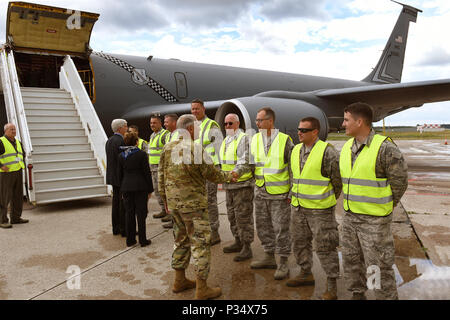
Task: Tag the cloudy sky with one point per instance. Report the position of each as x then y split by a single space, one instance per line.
332 38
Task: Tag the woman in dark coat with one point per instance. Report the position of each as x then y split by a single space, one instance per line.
136 187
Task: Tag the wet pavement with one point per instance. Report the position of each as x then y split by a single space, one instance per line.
38 258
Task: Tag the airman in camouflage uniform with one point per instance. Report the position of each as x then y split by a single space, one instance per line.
182 188
272 211
239 195
367 239
318 225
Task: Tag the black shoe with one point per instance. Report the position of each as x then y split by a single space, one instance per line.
131 244
20 220
146 243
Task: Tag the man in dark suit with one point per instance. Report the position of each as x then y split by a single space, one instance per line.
119 127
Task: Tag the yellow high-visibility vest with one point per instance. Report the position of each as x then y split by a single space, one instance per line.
141 142
228 159
173 136
155 146
203 139
271 170
310 189
11 158
364 193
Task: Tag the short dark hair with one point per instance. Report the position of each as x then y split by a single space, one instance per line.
269 112
130 138
199 101
361 110
315 124
172 116
133 126
154 116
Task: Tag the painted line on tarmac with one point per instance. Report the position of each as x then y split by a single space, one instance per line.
95 266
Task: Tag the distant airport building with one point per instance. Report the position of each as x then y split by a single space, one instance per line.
429 128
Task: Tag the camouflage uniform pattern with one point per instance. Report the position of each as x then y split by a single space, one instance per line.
367 240
192 236
211 187
317 227
240 213
272 211
154 170
213 208
272 225
315 230
182 187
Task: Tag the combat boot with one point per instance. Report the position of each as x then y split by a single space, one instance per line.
245 254
204 292
167 218
331 292
268 262
303 279
168 225
181 282
235 247
160 215
215 237
282 270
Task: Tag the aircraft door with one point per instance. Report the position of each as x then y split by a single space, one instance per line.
181 83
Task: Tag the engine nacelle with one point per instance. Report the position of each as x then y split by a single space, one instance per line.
288 113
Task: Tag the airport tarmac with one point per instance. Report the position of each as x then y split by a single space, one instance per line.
39 257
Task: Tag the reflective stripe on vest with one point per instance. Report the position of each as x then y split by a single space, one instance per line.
271 171
203 139
228 159
364 193
11 158
155 147
310 189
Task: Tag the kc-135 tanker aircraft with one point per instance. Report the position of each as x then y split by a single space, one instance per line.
133 87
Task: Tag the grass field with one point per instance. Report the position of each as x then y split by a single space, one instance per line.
401 135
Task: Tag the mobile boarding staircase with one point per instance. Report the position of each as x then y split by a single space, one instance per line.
63 138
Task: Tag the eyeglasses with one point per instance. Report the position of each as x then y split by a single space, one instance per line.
261 120
305 130
228 123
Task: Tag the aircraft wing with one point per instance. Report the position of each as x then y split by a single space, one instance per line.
392 96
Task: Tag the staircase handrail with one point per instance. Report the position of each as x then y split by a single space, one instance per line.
70 80
7 90
20 109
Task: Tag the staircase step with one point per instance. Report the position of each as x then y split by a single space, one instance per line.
53 119
32 100
45 94
39 89
67 147
69 182
50 112
61 164
44 133
67 194
65 173
54 125
60 140
36 105
62 155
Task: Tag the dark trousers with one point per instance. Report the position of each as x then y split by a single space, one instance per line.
135 208
11 191
118 212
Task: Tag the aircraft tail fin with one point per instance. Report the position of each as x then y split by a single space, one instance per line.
390 66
